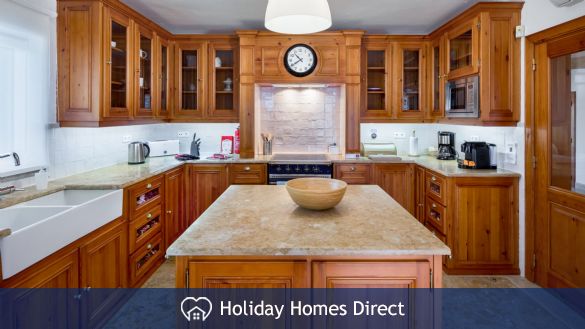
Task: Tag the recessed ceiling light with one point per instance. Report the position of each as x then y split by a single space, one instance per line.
297 17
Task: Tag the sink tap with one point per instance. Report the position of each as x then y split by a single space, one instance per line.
14 155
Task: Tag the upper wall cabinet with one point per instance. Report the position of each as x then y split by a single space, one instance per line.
376 85
223 81
163 79
437 77
410 73
106 65
190 61
462 44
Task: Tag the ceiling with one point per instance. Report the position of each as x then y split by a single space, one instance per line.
374 16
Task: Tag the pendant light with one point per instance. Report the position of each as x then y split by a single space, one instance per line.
298 16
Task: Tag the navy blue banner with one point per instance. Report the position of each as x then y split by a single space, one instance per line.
292 308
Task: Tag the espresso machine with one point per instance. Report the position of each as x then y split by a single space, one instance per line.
446 146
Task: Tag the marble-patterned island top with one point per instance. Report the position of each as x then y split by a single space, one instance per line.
263 220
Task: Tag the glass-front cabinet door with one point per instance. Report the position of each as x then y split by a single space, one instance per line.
144 72
410 64
438 76
463 49
118 68
190 62
163 79
376 91
222 81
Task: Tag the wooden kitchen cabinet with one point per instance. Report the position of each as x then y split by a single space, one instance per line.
223 101
363 274
397 179
353 173
409 84
206 184
437 77
145 78
146 260
248 274
164 73
462 47
144 195
190 86
103 263
175 205
376 84
248 174
420 195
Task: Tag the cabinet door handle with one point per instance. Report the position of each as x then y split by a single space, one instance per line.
109 62
149 216
352 169
149 186
169 212
434 179
149 246
434 205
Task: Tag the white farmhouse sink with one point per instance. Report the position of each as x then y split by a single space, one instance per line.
41 227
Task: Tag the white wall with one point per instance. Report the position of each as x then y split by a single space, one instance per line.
538 15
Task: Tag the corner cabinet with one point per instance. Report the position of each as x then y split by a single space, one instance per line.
106 65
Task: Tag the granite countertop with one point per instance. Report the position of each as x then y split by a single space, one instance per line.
123 175
367 222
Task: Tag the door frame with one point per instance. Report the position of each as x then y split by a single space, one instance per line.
567 29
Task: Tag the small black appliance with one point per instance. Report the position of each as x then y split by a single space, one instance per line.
477 155
446 146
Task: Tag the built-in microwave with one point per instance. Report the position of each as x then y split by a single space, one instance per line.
462 98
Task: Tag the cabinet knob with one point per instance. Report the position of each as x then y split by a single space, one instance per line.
108 62
169 212
434 179
247 168
149 186
352 168
434 205
149 216
149 246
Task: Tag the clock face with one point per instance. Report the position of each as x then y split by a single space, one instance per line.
300 60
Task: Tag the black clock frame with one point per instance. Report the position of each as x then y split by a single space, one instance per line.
300 74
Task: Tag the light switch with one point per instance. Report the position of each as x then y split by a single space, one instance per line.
511 153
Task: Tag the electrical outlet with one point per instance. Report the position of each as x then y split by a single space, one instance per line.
399 135
474 138
510 155
182 134
126 138
520 31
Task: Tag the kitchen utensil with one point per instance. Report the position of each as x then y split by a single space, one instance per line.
476 156
195 146
316 193
138 152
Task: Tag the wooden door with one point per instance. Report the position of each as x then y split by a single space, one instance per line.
190 85
398 181
559 192
437 77
420 195
376 86
223 81
175 210
206 184
119 74
163 79
248 275
409 84
145 59
63 312
104 264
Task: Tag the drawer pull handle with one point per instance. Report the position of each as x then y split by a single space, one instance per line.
149 216
149 246
169 212
434 205
352 168
247 168
149 186
434 179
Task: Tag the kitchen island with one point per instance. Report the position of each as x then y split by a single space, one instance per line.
257 237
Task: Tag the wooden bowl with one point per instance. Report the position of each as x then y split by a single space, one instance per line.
316 193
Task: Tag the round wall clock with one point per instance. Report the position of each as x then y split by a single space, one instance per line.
300 60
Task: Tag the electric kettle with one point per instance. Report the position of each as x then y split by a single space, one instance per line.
138 152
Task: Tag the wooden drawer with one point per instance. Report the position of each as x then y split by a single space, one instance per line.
352 173
436 215
247 174
145 258
145 195
436 233
144 226
436 187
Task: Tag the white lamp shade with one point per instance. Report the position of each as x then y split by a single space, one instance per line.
298 16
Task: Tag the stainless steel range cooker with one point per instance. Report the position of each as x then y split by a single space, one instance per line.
284 167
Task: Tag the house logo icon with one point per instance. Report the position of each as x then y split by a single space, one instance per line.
196 309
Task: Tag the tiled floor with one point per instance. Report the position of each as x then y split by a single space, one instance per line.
164 277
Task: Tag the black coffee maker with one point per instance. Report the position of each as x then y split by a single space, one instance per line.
478 155
446 146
